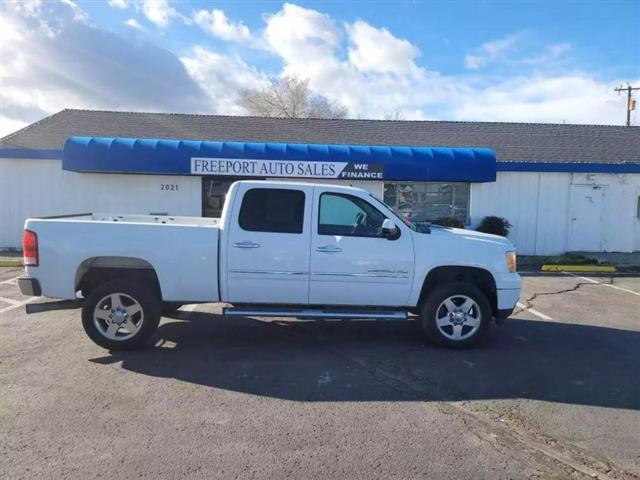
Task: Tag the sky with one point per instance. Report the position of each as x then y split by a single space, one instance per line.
513 61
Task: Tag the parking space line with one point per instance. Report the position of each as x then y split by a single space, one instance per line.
632 292
11 281
17 305
9 300
534 312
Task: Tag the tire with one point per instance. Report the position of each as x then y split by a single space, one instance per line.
170 307
121 315
445 319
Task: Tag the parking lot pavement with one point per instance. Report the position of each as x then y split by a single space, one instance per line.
10 296
245 397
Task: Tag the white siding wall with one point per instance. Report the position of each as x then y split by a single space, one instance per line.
537 204
512 196
31 188
552 214
621 224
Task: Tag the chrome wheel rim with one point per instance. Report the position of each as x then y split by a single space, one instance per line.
118 316
458 317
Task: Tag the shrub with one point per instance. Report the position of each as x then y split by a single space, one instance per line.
495 225
449 222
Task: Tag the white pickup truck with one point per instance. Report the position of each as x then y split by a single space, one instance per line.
280 249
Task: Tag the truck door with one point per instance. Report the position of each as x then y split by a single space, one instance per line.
352 261
268 245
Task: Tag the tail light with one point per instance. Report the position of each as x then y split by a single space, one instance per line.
30 248
511 261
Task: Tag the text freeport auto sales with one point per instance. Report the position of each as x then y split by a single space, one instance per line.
282 168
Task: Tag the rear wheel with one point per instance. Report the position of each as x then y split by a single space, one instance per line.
121 315
456 315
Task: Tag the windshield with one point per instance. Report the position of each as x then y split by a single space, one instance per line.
398 215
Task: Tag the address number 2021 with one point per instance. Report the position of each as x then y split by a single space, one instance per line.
168 186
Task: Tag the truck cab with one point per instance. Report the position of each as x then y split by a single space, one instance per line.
314 246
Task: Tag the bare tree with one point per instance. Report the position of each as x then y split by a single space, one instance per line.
289 97
394 115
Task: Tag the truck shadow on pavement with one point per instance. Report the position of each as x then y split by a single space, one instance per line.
391 361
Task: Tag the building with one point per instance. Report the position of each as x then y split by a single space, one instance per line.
563 187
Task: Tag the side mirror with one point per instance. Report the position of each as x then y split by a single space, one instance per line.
389 229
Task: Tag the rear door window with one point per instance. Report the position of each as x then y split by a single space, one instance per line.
275 210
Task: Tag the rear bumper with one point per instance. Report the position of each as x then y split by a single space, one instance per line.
29 286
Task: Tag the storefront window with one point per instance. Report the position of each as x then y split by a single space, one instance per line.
213 193
426 201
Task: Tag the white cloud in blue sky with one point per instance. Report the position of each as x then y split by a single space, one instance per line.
490 51
157 55
216 23
133 23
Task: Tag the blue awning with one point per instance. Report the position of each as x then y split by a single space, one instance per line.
189 157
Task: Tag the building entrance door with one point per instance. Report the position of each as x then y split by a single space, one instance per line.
586 219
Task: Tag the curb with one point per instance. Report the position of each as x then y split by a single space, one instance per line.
11 262
578 268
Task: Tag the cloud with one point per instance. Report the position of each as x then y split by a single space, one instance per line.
159 12
517 50
216 23
549 56
122 4
221 77
10 125
377 50
574 98
133 23
490 52
26 8
559 49
373 81
80 66
300 35
79 15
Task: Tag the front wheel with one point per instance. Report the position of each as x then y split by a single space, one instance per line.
121 315
456 315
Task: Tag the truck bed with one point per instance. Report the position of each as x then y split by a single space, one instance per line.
182 251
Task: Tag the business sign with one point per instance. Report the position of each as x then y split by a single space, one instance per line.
231 167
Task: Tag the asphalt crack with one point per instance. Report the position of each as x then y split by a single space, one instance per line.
529 301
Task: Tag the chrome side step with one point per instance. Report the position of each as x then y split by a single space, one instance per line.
314 313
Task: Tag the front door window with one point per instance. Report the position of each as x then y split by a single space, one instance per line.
348 215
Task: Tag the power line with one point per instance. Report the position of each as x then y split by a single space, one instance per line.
631 103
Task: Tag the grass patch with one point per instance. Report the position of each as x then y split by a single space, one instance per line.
569 259
531 261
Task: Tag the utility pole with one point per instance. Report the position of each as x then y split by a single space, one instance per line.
631 103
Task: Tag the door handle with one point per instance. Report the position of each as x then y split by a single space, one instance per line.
246 244
328 249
